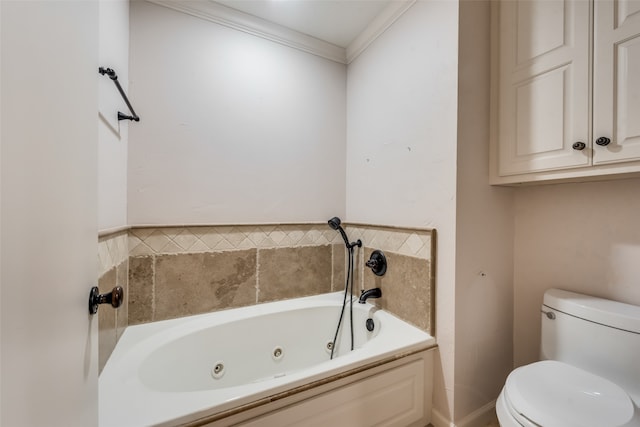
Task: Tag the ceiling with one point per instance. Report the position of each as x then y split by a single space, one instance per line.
337 22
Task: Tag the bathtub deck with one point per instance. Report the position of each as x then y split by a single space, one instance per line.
127 399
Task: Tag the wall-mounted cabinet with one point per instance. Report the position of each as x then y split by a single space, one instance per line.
567 104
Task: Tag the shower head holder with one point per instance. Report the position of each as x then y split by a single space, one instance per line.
334 223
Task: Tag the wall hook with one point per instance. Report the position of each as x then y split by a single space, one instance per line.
114 298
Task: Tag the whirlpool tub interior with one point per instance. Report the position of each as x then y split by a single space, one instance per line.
269 365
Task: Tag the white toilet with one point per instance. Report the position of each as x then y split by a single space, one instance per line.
590 375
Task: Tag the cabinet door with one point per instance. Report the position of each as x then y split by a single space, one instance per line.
544 85
616 102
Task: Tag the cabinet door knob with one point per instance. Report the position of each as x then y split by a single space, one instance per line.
579 145
603 141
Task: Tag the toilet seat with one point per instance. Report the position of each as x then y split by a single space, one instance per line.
555 394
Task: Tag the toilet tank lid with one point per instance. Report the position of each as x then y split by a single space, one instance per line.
606 312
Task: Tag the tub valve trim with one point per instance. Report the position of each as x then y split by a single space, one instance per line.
377 263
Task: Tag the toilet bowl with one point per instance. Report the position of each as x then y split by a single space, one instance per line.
589 375
555 394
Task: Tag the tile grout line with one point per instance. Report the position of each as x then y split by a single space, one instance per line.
332 267
126 293
360 267
257 275
153 287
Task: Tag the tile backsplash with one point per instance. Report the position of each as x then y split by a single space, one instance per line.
182 271
167 240
408 286
113 262
170 272
113 250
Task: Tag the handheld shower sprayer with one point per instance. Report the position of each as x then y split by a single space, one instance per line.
335 224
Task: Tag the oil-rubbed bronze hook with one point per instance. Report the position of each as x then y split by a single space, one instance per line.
115 298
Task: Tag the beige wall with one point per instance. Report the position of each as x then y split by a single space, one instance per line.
583 237
484 235
113 53
401 149
235 129
428 76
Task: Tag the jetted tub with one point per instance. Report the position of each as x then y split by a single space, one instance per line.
234 366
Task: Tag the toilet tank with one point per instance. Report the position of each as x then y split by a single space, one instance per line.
595 334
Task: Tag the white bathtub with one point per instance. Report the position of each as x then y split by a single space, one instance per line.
209 368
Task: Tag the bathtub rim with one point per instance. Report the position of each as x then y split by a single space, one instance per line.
296 387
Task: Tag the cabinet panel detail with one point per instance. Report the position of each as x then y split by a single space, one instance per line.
540 28
541 121
628 123
540 101
617 93
393 398
626 9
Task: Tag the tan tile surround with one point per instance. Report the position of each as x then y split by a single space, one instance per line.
113 262
178 271
408 286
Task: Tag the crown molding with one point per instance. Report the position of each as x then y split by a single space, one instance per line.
231 18
378 26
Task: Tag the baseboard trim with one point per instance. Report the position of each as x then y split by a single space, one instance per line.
478 418
439 420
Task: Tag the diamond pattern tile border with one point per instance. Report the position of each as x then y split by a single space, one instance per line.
112 251
115 248
164 240
406 241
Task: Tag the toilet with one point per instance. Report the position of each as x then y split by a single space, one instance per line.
589 375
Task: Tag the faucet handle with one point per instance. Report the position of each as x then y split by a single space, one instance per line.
377 263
